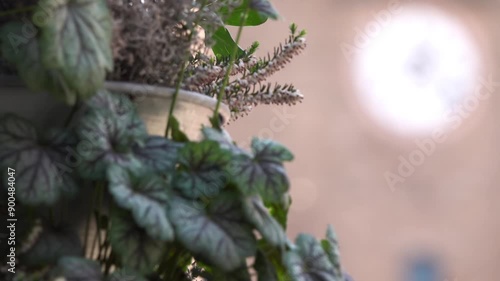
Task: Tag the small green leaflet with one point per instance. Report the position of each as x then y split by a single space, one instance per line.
224 44
75 39
308 261
219 232
134 247
234 18
331 247
145 194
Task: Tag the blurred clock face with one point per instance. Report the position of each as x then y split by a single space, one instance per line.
416 70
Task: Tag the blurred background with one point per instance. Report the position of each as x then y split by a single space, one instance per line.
396 141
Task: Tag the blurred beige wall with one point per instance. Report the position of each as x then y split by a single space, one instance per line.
449 204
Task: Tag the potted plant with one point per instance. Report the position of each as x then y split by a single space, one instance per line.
94 196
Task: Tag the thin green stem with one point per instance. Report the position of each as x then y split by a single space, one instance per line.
232 59
174 97
181 75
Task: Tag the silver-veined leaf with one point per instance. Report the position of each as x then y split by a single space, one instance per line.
263 173
23 52
219 232
203 169
41 174
259 216
308 261
145 194
76 39
108 140
135 248
158 153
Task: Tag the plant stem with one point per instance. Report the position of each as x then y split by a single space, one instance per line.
174 97
181 75
232 59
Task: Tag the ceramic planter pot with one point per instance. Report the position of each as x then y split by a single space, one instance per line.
193 110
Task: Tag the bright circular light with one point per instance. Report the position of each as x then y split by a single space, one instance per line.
418 66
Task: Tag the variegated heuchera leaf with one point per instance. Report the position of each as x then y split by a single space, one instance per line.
118 104
202 169
108 140
145 194
135 248
308 261
219 233
263 173
158 154
41 177
265 8
79 269
259 216
75 39
23 52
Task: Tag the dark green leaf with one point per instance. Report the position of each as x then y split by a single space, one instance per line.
41 173
308 261
224 44
203 171
279 210
260 217
76 38
218 233
79 269
176 132
52 244
270 151
263 173
23 52
331 247
265 268
126 275
107 140
146 196
158 153
254 17
134 247
264 7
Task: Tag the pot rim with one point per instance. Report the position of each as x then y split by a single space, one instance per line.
135 89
